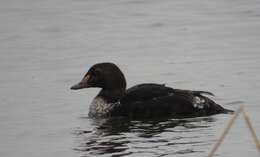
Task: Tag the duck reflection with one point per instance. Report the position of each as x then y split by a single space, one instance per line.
122 136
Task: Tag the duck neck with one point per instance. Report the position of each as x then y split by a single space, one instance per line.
111 95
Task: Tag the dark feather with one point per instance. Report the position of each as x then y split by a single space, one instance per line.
147 100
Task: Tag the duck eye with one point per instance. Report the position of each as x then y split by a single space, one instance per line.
97 72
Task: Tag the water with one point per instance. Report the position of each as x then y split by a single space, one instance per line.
47 46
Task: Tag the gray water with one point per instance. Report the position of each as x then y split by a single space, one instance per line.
47 46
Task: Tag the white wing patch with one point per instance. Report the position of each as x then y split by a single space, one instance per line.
199 102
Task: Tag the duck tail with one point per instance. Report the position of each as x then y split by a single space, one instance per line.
228 111
202 92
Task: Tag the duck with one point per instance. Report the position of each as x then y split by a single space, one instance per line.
146 100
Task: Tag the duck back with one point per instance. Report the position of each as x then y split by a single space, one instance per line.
157 100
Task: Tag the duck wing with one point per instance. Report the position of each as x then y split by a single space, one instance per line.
147 91
153 100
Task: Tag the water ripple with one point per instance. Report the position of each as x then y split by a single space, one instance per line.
123 137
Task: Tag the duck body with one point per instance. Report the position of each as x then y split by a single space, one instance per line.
156 100
146 100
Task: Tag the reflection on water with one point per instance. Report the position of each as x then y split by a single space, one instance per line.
123 137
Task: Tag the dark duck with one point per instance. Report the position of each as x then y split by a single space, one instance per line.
146 100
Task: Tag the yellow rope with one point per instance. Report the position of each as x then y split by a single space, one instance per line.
227 128
251 128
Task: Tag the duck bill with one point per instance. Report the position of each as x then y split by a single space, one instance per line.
82 84
78 86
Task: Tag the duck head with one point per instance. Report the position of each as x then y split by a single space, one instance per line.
103 75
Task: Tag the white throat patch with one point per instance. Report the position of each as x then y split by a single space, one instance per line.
100 108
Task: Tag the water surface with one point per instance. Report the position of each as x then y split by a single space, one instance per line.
47 46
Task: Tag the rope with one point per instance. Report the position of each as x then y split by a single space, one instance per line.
251 128
227 128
